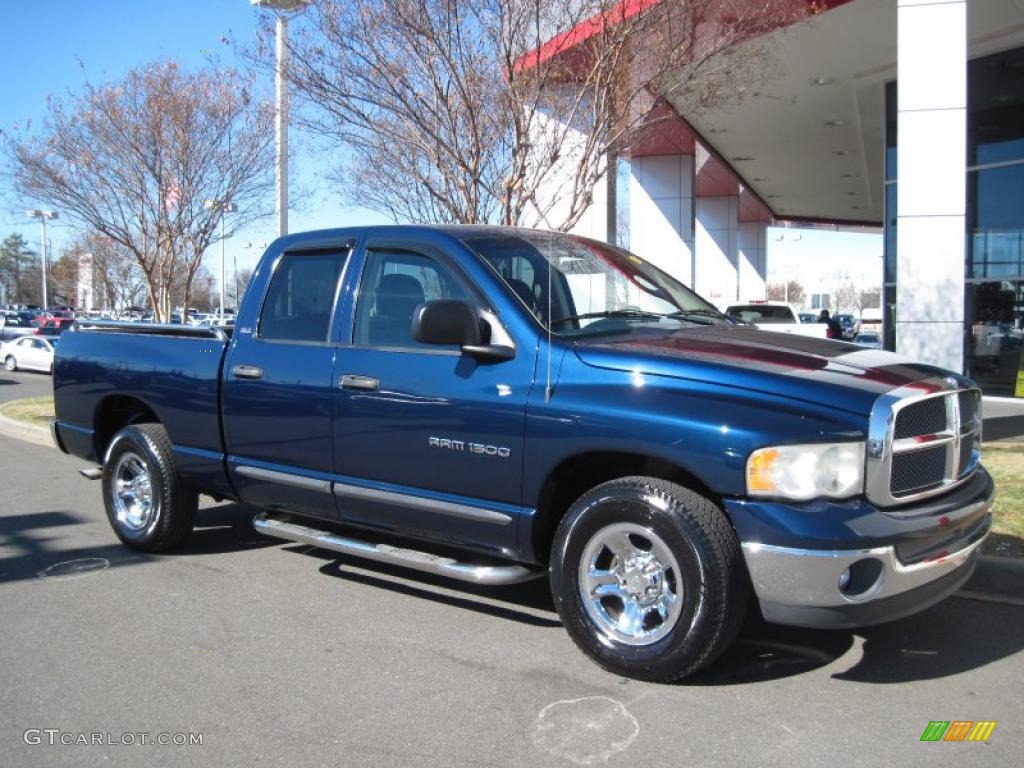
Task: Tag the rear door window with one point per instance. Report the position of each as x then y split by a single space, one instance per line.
301 297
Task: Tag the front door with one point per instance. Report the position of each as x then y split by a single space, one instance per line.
428 441
278 397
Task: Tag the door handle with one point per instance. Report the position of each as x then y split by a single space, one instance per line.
247 372
351 381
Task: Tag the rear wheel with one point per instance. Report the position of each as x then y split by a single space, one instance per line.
10 363
648 578
148 507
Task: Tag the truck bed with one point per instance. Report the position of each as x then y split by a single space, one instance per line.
173 371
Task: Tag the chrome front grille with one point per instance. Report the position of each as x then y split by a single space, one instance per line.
921 445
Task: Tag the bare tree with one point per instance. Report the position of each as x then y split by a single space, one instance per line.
117 281
62 279
136 161
845 296
793 292
450 111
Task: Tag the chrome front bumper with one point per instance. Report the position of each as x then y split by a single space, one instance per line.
846 588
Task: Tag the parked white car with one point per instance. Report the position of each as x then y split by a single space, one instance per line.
776 316
30 353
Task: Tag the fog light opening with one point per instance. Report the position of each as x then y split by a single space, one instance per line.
860 579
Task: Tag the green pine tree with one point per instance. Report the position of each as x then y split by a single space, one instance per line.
16 260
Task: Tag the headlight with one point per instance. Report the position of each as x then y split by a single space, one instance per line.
802 472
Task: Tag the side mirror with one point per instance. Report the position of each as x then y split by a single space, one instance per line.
453 321
446 321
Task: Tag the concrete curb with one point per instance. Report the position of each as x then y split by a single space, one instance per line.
27 432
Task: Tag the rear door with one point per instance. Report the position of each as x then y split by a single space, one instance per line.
278 397
428 441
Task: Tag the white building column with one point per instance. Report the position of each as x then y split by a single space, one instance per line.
556 192
931 166
752 245
716 243
661 212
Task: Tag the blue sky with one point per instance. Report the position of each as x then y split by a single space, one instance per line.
47 43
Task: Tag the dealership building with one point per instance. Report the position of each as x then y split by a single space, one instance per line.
903 115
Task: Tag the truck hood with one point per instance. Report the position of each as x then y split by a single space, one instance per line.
815 370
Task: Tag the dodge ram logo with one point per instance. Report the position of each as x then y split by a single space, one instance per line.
463 446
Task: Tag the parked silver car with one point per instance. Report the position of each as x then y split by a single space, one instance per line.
31 353
12 325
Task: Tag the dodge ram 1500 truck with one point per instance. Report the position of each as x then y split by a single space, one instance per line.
496 405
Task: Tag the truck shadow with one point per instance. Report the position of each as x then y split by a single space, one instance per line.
35 545
528 603
32 542
224 528
956 636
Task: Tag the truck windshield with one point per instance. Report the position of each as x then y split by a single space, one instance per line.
594 288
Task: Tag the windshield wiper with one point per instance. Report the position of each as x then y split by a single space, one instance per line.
609 313
688 314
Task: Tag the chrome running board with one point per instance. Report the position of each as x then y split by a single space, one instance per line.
492 575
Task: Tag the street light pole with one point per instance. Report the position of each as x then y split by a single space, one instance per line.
281 8
222 274
281 125
35 213
223 207
785 267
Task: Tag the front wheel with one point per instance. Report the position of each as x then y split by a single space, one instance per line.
10 363
148 507
648 578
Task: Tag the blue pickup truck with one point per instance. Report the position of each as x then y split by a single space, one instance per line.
496 405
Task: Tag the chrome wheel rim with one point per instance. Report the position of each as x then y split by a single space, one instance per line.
10 364
132 492
631 584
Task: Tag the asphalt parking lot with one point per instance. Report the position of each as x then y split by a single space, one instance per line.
279 654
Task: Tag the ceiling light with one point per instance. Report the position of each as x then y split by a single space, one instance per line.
824 81
842 152
849 176
834 123
853 193
742 159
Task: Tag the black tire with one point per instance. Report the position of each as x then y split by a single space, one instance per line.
692 535
10 363
142 453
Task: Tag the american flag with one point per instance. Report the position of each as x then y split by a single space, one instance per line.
172 196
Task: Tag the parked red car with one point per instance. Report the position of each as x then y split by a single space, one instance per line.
53 326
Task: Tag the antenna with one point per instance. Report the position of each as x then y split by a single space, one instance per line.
551 316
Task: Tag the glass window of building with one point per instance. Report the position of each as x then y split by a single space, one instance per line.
994 295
